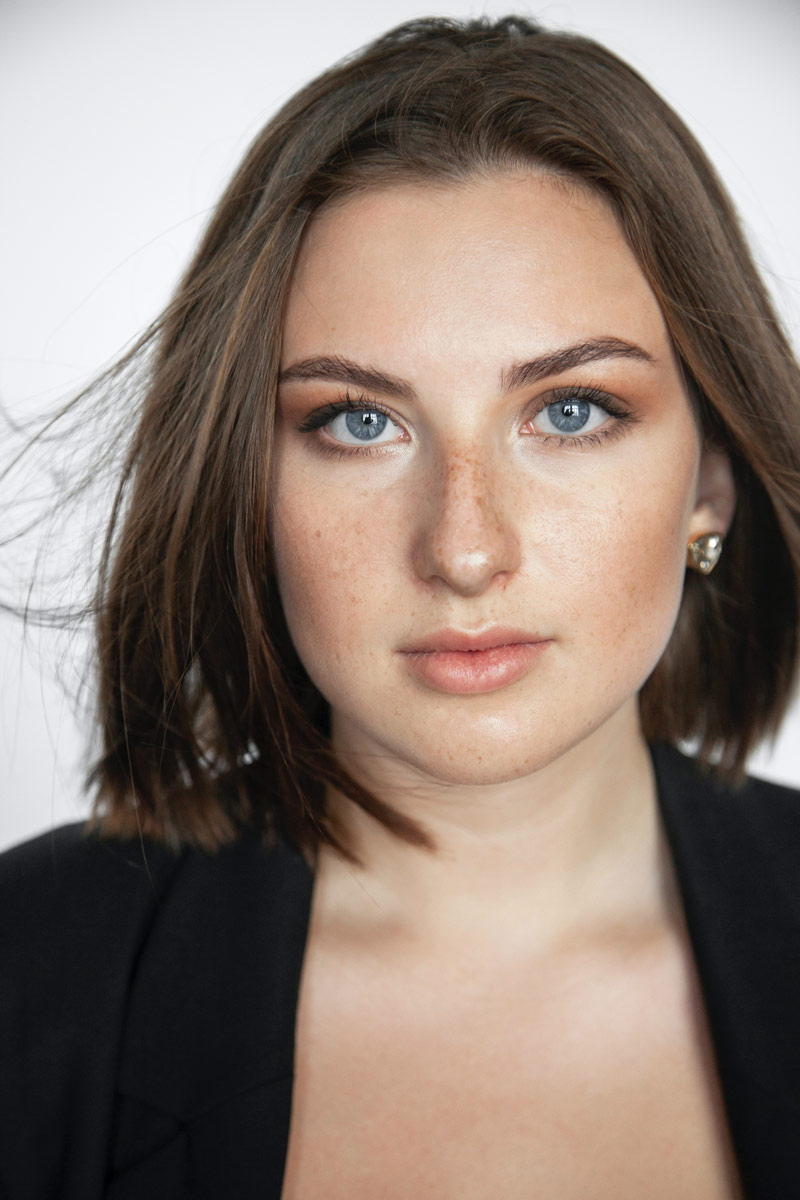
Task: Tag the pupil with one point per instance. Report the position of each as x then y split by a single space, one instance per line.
365 425
569 416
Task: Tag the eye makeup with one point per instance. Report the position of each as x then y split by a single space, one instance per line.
573 405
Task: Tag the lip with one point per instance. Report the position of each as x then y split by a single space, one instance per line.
464 641
461 663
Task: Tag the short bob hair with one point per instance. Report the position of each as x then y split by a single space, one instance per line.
210 724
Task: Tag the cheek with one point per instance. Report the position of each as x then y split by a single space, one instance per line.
332 549
602 568
623 568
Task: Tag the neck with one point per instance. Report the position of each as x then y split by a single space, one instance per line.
572 849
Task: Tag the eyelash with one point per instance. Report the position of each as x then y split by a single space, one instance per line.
321 417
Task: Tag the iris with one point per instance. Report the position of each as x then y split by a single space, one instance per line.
570 415
365 425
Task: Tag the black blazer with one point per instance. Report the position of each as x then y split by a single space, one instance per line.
147 1000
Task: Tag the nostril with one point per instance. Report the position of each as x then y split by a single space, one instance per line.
467 558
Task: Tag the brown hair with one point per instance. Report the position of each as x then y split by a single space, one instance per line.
209 721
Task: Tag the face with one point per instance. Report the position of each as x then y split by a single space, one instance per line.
487 471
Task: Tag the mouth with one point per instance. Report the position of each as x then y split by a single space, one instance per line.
465 663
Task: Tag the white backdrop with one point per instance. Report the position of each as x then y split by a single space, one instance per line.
121 122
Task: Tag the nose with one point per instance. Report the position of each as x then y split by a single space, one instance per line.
465 536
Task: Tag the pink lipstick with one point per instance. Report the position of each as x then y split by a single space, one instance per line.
463 663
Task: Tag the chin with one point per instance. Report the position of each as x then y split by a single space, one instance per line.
489 753
485 770
489 739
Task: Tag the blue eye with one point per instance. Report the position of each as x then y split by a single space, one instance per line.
365 425
570 416
353 425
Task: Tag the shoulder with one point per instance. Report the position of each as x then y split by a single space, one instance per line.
74 909
685 782
745 836
736 850
70 888
72 862
78 911
74 912
120 959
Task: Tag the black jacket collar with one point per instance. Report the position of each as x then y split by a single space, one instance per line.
737 858
213 1005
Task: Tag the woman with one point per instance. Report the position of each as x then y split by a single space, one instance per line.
396 884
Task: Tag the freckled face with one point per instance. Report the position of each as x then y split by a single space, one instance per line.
454 489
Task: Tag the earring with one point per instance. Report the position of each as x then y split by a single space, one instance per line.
703 552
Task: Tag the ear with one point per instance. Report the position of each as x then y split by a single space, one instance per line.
716 494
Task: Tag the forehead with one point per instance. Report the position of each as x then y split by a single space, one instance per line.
502 264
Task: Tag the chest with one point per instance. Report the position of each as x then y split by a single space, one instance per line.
588 1077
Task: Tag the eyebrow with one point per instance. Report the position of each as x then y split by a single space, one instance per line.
596 349
518 375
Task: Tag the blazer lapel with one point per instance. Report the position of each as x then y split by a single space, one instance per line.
209 1039
210 1030
737 859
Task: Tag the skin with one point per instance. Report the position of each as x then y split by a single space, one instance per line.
539 794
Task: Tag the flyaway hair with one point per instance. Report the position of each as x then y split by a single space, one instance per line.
209 722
